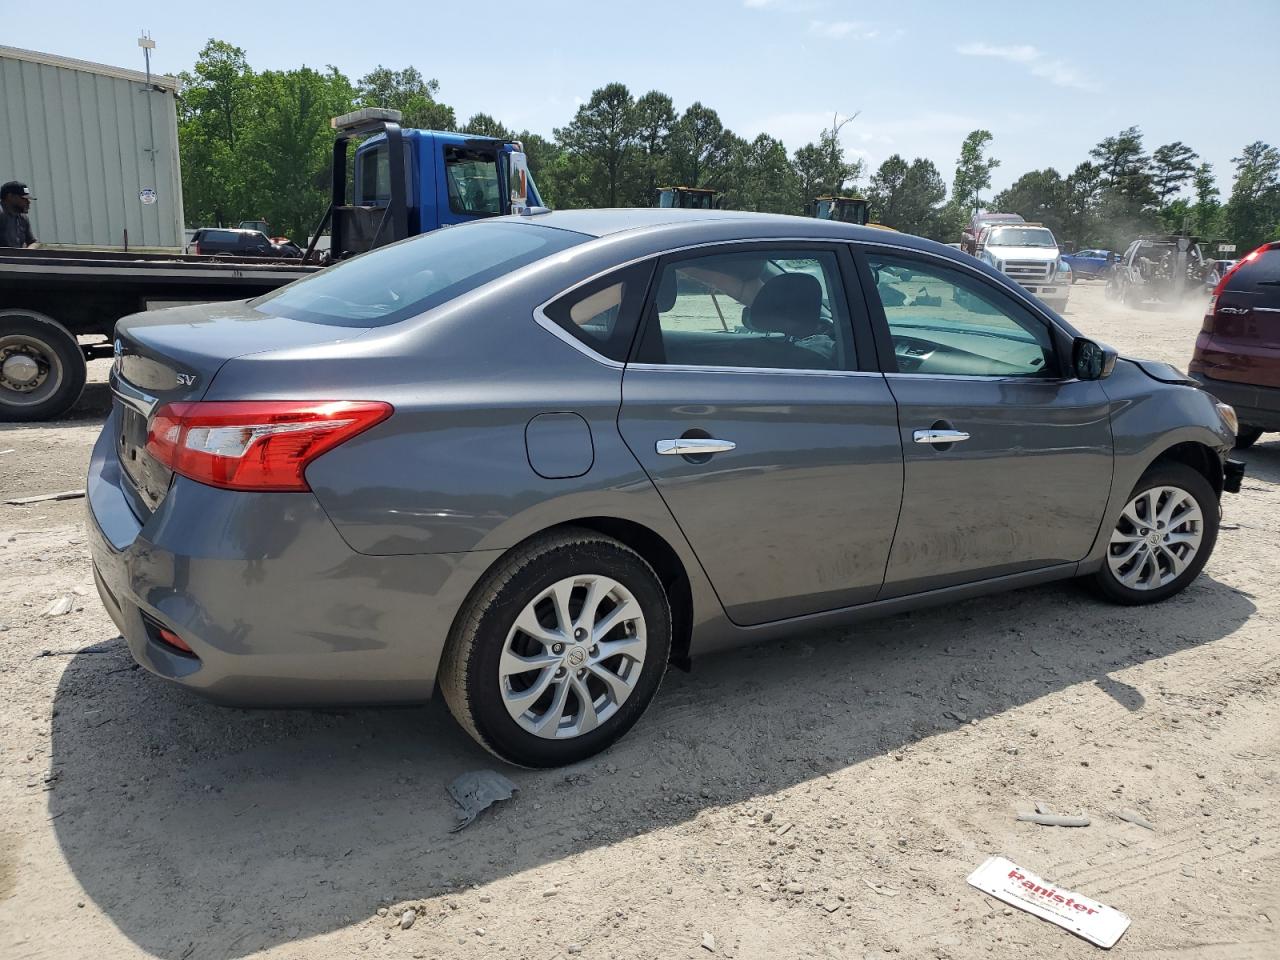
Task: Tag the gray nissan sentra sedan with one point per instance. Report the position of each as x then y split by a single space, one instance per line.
535 459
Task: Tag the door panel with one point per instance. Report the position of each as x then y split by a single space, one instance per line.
1024 484
799 516
1026 490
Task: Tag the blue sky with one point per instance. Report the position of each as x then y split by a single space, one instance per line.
1048 79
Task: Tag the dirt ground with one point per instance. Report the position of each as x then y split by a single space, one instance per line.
823 797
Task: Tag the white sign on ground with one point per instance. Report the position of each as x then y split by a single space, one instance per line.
1020 888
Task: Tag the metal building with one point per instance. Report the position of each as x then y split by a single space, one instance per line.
97 145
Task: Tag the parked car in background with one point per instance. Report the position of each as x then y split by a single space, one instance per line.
1028 253
1215 270
1237 355
239 243
969 236
533 459
1089 264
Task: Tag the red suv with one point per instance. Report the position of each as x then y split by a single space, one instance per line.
1237 356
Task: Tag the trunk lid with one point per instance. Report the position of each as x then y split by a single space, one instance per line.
172 355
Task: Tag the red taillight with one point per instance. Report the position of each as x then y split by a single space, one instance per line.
255 444
175 641
197 249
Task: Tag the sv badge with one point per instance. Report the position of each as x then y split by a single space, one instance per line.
186 379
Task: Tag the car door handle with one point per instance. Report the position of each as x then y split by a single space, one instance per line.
939 436
693 446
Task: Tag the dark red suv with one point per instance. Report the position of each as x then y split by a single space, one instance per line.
1237 356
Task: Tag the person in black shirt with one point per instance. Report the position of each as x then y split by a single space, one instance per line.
15 227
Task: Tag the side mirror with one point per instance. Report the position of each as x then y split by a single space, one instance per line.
1092 360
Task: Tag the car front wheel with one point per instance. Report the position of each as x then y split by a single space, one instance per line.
1164 536
559 650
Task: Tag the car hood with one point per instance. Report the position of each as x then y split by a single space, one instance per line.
1045 254
1163 372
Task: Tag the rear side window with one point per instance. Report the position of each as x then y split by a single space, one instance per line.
771 308
218 236
398 281
1260 276
603 314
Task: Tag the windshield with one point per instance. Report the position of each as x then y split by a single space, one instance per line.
407 278
1021 237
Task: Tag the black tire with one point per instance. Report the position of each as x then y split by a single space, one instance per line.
469 678
1191 481
1247 437
60 359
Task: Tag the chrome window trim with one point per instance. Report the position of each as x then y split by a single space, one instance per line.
769 371
541 318
992 378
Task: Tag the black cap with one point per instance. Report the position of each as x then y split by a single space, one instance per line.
13 186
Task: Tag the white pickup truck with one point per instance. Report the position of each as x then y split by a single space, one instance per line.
1028 253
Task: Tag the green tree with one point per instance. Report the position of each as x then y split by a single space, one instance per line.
1172 165
887 191
288 146
1207 208
213 110
698 147
654 116
822 169
483 125
406 90
1252 214
1081 191
759 176
1039 196
920 203
601 144
973 172
1126 169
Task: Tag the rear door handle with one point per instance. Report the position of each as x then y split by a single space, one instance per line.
939 436
693 446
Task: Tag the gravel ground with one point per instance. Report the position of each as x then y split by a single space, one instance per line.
823 797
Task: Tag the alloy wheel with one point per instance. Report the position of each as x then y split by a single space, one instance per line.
572 657
1158 536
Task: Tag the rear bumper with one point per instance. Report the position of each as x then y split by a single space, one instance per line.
1255 406
277 608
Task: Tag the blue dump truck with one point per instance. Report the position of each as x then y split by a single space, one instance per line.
58 308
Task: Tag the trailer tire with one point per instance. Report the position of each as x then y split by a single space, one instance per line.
42 368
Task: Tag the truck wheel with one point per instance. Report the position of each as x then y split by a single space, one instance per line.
42 370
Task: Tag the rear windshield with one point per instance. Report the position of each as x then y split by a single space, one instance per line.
407 278
1260 275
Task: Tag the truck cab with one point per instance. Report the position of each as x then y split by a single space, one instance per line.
844 209
407 182
1028 253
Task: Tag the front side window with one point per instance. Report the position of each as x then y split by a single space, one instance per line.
770 308
403 279
947 323
472 180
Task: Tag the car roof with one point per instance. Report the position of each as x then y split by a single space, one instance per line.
695 225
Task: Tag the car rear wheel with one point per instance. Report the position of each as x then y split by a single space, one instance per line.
1164 537
1247 437
559 650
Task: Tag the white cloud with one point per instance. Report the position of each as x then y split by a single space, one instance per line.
840 29
1057 71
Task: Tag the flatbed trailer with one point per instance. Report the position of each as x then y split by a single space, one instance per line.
58 309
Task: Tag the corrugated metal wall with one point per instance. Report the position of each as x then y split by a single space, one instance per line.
83 143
